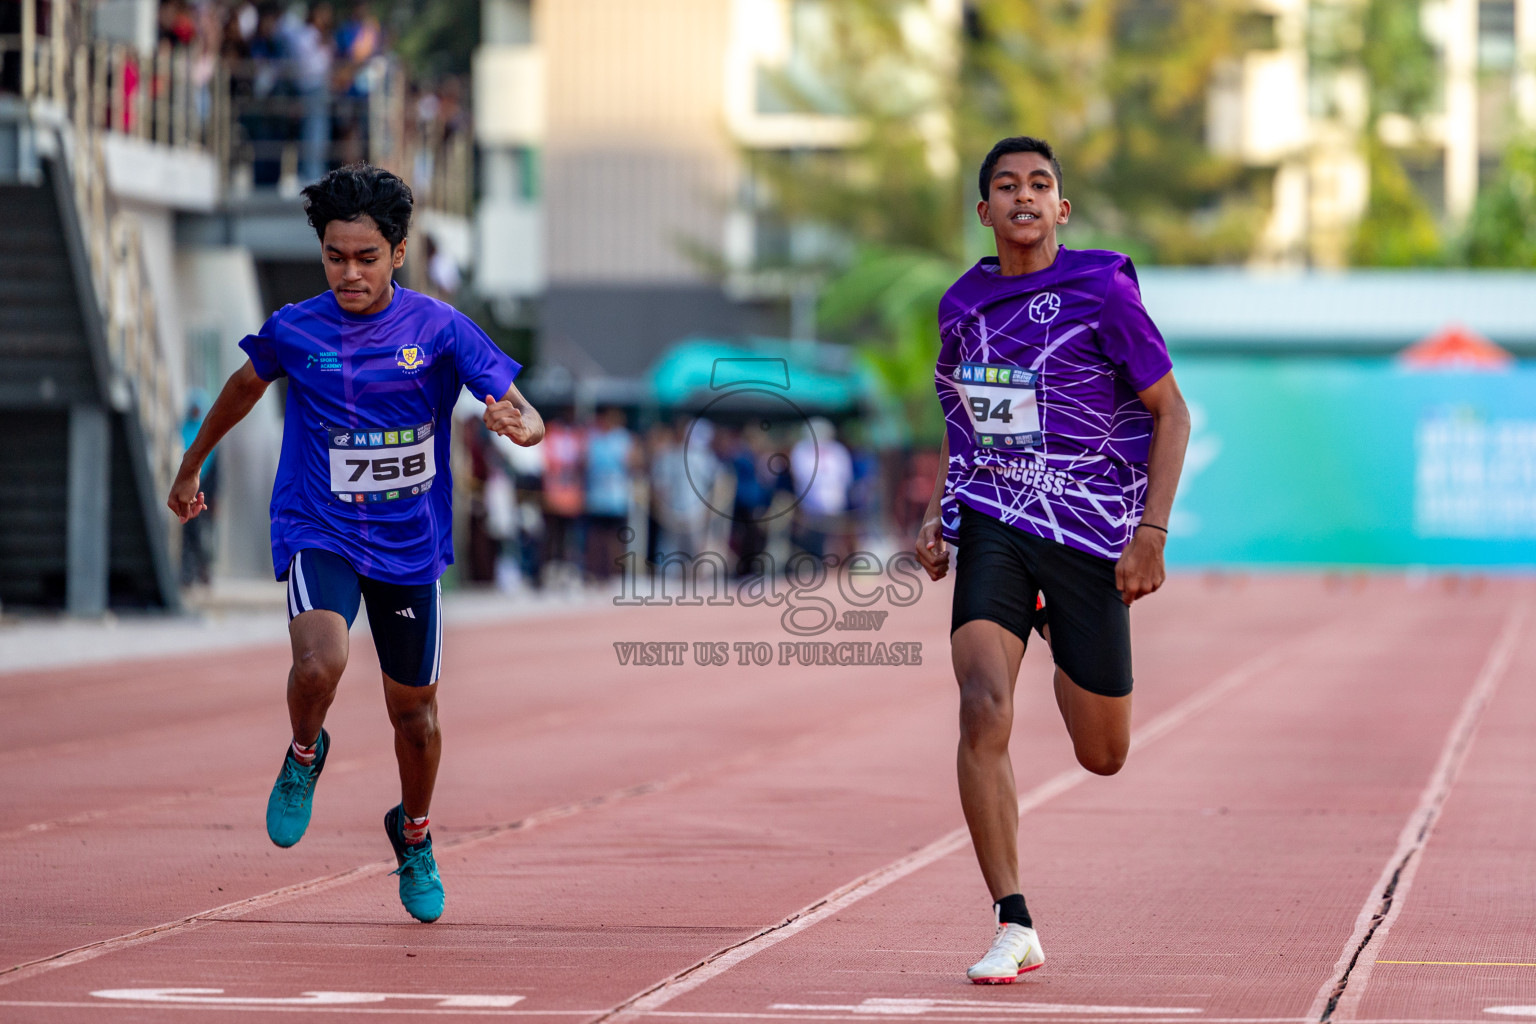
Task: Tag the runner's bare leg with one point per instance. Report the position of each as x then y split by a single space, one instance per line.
418 742
319 640
1100 726
986 658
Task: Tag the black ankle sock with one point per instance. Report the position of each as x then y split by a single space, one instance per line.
1011 910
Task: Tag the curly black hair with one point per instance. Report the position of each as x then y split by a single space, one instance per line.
1016 144
358 190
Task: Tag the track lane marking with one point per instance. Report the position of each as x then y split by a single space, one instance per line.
1456 963
237 909
345 1010
1341 993
648 1000
217 997
703 1014
894 1007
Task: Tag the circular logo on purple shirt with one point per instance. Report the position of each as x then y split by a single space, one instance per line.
1044 307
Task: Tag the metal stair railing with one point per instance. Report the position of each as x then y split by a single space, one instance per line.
81 92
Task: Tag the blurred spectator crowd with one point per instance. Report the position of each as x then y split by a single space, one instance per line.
301 78
573 509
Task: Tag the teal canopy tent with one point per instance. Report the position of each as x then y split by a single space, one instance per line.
815 377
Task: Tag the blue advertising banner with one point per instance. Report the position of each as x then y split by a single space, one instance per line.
1318 462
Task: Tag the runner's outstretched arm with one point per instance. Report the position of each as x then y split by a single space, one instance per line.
932 548
514 418
241 393
1140 569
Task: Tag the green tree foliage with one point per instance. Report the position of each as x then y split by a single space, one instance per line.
435 38
855 59
1398 229
1118 86
1384 40
889 297
1398 60
1502 229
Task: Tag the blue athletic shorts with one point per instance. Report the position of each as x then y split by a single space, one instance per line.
406 620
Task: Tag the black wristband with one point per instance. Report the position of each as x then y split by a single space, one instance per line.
1153 526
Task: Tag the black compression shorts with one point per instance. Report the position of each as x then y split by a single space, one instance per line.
1000 571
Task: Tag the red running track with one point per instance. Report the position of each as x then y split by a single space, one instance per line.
767 843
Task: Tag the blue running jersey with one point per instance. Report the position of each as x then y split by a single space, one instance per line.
364 470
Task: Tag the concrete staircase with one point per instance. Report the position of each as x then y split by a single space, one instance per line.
79 529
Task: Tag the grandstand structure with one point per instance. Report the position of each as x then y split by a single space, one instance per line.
134 251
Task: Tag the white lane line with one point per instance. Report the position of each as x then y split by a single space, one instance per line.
1340 995
218 997
993 1018
239 908
1140 1018
342 1010
700 1015
990 1008
650 999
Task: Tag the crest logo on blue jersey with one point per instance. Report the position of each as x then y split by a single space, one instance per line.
410 358
1044 307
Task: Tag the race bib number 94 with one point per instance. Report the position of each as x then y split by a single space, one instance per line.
1003 405
381 465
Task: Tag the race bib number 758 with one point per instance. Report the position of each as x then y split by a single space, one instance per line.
381 465
1002 404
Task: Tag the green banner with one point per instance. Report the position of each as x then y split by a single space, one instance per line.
1332 462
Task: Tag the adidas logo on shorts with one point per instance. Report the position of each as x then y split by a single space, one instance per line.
407 612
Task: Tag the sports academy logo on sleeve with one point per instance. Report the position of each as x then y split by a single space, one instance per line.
411 358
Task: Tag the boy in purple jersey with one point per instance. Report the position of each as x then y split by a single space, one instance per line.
1064 438
362 507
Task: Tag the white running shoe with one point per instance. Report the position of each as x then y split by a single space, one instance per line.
1016 949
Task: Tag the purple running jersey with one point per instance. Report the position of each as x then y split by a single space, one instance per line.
1038 376
364 469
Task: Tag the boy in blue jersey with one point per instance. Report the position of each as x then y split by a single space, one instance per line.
362 507
1064 438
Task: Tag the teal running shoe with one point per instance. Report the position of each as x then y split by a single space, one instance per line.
421 888
293 795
